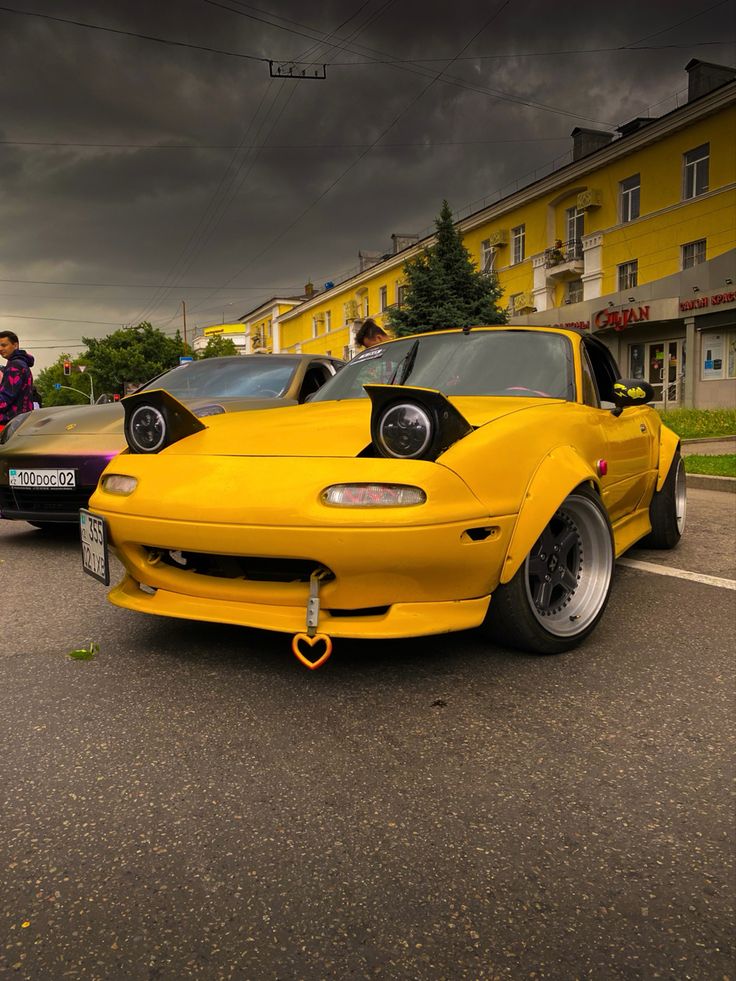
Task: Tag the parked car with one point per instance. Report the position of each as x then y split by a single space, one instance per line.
486 477
51 459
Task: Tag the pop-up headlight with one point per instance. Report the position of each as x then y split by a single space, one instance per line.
155 420
413 423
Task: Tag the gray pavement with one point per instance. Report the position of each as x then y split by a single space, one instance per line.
194 804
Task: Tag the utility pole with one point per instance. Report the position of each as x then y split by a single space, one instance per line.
184 315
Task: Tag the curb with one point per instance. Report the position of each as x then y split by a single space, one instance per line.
703 481
708 439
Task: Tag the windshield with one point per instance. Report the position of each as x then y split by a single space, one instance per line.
241 377
511 363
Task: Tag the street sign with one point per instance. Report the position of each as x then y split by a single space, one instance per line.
57 385
185 358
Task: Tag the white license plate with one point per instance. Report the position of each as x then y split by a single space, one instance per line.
95 559
43 479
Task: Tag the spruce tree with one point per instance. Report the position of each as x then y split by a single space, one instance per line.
443 287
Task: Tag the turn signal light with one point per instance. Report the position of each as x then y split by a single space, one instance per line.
118 483
373 496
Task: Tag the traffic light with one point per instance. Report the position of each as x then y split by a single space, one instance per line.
67 367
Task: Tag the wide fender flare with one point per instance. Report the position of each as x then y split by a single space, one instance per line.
557 474
669 443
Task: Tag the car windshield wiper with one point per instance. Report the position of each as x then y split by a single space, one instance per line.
405 366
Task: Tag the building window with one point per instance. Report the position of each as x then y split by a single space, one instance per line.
693 254
575 221
346 353
487 256
630 189
400 294
383 298
513 303
695 177
518 243
628 275
574 291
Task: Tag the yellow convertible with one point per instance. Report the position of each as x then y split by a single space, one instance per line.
485 477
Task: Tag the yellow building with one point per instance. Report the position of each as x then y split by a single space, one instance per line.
258 330
634 240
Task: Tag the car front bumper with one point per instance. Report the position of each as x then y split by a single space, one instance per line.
385 582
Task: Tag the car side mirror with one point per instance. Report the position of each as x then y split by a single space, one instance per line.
631 391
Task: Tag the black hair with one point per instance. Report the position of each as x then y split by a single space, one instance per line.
11 336
369 328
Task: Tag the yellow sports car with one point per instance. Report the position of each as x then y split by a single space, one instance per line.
485 477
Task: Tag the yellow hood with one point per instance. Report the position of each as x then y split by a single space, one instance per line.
320 429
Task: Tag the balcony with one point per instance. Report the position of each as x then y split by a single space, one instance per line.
564 260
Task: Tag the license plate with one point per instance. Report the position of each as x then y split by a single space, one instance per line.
95 559
43 479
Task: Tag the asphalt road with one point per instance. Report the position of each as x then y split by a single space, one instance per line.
193 803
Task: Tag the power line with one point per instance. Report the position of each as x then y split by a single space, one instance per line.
149 286
277 146
134 34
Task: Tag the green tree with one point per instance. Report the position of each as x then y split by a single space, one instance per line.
444 288
132 354
219 347
54 375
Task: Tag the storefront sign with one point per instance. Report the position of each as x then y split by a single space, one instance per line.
713 300
575 325
620 319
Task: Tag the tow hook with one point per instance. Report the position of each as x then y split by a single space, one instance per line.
303 643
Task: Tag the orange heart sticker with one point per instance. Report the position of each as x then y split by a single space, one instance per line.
311 641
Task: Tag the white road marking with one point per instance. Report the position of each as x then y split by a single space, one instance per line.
663 570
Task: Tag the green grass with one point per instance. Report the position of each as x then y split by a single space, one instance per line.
700 423
722 465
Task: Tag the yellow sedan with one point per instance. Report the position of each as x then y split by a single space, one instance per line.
485 477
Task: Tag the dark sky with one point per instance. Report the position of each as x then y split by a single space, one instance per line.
135 174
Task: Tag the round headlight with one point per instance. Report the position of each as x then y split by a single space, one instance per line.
405 430
147 429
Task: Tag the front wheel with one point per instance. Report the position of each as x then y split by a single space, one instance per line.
559 593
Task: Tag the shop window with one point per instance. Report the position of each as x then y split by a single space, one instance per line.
636 361
695 171
713 356
693 254
518 243
628 275
629 197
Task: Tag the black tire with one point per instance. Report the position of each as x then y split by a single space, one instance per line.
668 509
559 593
